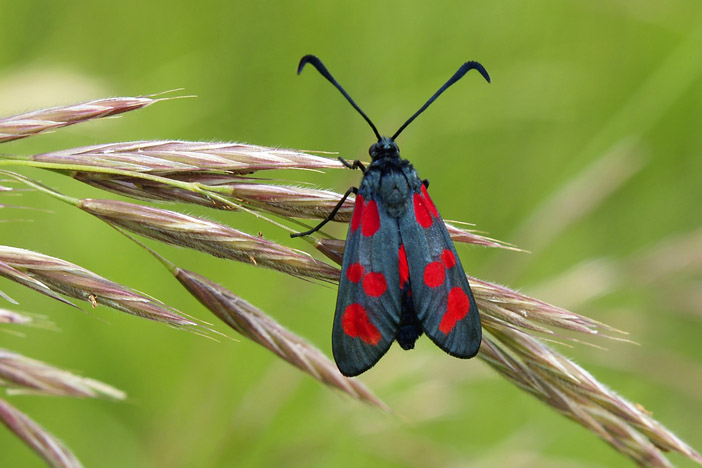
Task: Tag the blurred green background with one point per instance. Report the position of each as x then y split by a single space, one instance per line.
585 150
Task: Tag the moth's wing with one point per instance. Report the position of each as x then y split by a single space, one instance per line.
442 297
368 305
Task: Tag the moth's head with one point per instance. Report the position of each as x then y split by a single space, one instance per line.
384 148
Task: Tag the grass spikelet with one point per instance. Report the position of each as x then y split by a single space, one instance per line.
512 308
9 316
468 237
23 319
292 201
44 273
52 450
20 277
24 375
207 236
32 123
173 157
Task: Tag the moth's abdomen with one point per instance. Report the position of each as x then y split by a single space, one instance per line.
410 329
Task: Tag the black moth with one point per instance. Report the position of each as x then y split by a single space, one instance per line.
401 275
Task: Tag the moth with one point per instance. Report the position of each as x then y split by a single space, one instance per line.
401 276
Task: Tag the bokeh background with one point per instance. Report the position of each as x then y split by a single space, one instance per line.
585 150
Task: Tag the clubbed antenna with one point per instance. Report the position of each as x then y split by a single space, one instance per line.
316 63
465 68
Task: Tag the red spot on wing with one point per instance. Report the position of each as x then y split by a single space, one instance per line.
457 308
429 203
370 222
354 272
421 212
404 267
356 324
434 274
357 213
374 284
448 259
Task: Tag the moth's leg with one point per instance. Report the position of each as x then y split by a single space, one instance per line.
330 216
355 165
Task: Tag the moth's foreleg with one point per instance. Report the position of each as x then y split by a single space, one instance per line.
330 216
356 164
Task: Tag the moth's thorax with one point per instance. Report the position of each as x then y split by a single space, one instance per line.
391 181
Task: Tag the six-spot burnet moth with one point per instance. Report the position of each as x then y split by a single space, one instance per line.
401 275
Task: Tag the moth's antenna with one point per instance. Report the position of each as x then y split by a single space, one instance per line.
465 68
316 63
